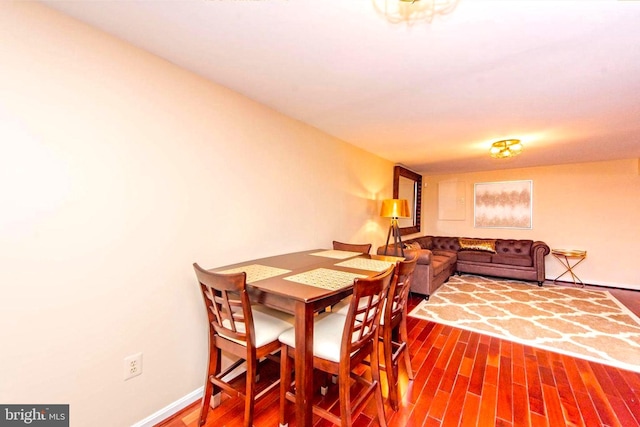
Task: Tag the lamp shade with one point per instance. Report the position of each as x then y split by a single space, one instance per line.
395 208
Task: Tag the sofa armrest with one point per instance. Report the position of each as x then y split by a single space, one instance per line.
538 251
389 248
423 255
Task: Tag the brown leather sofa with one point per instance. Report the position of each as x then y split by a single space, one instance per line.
440 257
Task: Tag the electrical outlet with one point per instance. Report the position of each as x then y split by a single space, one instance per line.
132 366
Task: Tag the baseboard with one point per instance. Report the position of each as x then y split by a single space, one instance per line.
600 284
170 409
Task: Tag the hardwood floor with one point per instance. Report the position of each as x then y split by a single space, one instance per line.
468 379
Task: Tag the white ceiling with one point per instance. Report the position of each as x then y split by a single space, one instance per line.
563 76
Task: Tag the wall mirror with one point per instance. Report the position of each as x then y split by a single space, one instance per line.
408 185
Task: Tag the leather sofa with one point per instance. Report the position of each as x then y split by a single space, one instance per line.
440 257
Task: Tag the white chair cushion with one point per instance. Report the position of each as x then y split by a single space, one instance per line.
343 306
327 336
268 324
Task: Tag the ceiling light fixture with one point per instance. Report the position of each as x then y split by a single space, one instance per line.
412 11
505 148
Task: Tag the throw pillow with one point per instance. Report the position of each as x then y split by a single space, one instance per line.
485 245
413 245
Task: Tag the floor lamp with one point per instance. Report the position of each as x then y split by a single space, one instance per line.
394 209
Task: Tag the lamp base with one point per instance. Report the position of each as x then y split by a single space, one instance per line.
397 240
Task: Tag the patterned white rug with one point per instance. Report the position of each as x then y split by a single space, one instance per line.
587 324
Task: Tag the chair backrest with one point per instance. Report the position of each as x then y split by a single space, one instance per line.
228 305
399 291
363 247
363 317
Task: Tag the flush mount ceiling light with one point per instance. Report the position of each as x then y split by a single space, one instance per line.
412 11
505 148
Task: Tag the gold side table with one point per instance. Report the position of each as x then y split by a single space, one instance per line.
565 256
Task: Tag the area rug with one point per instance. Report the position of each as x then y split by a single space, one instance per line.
583 323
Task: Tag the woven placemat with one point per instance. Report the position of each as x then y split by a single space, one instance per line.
366 264
325 278
333 253
257 272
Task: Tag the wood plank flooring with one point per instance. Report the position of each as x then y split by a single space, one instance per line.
468 379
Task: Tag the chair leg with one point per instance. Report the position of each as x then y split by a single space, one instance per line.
391 370
285 383
212 370
404 336
375 375
204 405
344 393
326 379
250 396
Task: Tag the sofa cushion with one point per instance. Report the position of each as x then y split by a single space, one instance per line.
440 263
520 260
475 256
425 242
446 243
451 254
485 245
513 247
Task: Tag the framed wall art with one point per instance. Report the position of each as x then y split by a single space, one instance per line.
507 204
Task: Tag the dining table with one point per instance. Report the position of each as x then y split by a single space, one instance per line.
303 284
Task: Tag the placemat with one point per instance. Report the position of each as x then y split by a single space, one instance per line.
333 253
257 272
325 278
366 264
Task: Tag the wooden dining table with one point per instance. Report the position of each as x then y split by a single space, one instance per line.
303 284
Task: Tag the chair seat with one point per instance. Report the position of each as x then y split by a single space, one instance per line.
342 307
327 336
268 324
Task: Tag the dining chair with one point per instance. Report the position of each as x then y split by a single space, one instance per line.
341 354
238 328
393 325
352 247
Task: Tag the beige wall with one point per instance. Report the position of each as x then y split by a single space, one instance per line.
118 171
590 206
